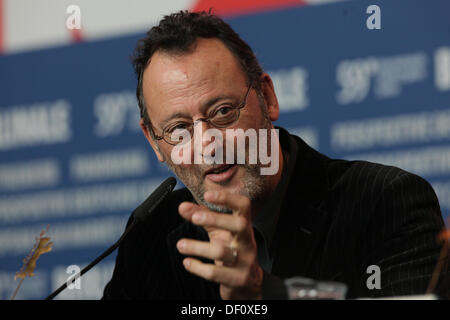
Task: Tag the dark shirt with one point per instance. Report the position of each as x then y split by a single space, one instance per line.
265 222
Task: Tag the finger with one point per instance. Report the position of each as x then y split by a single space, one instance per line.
209 250
207 218
187 209
204 217
221 274
238 203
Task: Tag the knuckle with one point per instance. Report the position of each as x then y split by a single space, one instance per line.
242 279
245 202
241 224
210 274
253 257
220 252
208 218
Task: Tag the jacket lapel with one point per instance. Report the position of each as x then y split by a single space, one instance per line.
303 216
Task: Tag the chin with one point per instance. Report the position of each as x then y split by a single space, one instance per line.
235 189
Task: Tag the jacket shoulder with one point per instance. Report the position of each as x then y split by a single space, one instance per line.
363 175
166 211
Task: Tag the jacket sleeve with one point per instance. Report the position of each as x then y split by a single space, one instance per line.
273 288
403 240
117 287
142 269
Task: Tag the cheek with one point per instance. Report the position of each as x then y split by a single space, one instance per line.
178 155
255 120
247 119
174 159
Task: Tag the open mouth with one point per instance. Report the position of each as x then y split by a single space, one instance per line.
218 169
221 173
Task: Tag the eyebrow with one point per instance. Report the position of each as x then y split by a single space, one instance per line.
205 106
176 115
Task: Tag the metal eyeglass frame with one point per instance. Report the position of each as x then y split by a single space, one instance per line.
207 120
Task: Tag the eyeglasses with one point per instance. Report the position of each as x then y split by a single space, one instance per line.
222 116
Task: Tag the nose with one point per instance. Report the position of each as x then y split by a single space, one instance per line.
208 142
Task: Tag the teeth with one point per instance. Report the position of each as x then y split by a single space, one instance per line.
220 170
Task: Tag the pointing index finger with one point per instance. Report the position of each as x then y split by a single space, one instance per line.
238 203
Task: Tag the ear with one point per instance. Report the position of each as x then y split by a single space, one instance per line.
270 97
152 141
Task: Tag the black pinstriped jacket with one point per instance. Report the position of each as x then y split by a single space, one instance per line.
338 218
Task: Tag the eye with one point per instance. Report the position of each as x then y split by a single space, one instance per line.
177 126
223 111
224 115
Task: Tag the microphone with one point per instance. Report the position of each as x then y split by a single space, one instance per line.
140 215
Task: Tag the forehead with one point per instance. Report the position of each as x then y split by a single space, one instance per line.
172 80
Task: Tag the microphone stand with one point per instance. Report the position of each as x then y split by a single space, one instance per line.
93 263
139 215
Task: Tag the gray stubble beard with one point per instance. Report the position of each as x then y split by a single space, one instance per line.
253 186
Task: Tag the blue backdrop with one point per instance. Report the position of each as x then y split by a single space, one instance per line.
72 155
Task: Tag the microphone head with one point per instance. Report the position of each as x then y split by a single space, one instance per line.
154 199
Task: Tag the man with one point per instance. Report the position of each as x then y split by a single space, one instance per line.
235 233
